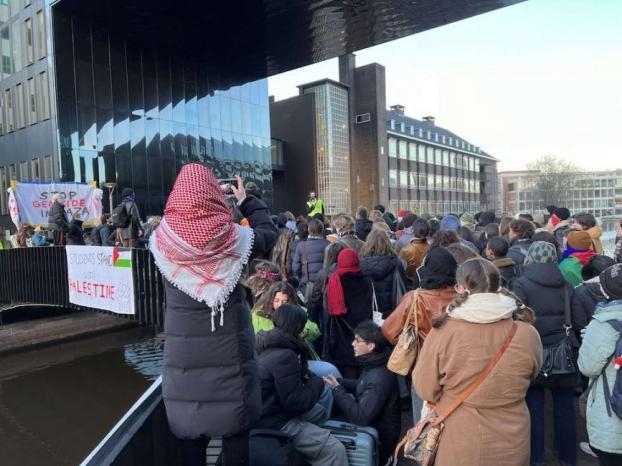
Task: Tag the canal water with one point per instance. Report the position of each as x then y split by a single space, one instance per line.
57 403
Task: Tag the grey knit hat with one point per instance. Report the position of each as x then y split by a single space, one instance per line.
541 252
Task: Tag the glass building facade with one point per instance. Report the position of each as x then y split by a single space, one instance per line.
83 102
332 144
135 116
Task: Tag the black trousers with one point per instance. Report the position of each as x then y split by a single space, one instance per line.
608 459
59 237
235 451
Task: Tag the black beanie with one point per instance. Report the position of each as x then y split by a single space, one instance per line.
562 213
486 218
438 269
611 282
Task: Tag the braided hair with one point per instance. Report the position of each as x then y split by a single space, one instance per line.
482 276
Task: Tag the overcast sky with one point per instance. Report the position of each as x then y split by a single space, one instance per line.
543 77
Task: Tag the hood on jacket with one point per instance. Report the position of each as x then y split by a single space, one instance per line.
275 338
547 275
608 310
378 267
503 262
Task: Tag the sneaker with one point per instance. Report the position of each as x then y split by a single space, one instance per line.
585 448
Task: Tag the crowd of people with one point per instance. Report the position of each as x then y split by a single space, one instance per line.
283 322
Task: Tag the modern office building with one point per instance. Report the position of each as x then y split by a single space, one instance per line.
599 193
364 154
127 92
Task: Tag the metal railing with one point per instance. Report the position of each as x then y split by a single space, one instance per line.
39 276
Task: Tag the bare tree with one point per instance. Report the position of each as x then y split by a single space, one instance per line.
555 177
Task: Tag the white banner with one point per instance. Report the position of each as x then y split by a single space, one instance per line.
101 277
31 202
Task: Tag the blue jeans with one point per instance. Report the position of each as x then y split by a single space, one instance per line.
565 433
322 369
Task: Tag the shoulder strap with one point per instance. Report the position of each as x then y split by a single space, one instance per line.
305 258
567 321
413 310
476 383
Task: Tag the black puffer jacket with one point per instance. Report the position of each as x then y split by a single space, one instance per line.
584 301
541 287
57 220
287 388
373 400
313 249
209 381
381 269
363 227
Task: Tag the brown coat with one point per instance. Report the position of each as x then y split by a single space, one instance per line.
413 255
492 426
430 304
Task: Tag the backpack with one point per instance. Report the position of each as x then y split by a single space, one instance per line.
613 400
120 216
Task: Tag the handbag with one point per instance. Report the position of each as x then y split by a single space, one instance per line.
405 353
376 315
559 358
421 442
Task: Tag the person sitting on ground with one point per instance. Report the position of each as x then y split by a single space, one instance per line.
576 254
413 253
373 399
363 223
496 252
587 222
264 274
278 294
290 392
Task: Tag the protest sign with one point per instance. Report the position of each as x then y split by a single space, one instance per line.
101 277
31 202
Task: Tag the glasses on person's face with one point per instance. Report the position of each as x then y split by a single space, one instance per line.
358 340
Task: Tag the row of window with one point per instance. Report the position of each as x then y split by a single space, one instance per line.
37 169
25 104
21 43
412 151
406 179
436 207
530 184
575 194
436 137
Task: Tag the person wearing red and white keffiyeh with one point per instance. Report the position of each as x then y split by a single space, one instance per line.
209 381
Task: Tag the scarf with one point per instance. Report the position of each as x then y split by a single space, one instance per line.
484 308
129 198
582 255
197 247
347 262
555 220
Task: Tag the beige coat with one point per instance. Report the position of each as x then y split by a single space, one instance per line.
492 426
